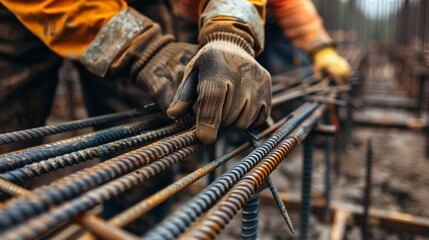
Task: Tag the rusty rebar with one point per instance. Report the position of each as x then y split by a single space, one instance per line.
211 224
177 223
41 224
20 158
29 171
39 132
132 213
70 186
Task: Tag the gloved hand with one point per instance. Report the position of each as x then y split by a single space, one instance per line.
133 44
228 86
327 60
159 64
161 76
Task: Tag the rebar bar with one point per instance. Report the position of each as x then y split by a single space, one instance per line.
219 216
174 225
280 204
20 158
29 171
39 132
305 232
41 224
70 186
249 221
149 203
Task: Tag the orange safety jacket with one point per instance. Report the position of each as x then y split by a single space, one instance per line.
69 26
298 20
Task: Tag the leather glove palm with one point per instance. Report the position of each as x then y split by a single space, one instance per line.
327 60
227 85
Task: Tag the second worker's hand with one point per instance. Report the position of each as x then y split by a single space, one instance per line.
327 61
225 86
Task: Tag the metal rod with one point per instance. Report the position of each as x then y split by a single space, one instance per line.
219 216
30 171
305 231
39 132
177 223
70 186
35 154
249 220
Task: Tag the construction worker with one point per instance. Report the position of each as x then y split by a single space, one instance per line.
300 26
111 38
119 39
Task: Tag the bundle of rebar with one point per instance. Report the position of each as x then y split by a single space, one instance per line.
138 146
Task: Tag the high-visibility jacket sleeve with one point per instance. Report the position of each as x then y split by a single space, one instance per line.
300 22
65 26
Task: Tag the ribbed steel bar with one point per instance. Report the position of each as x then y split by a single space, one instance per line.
113 232
20 158
12 189
71 209
53 164
249 221
39 132
307 167
178 222
70 186
299 92
211 224
280 204
132 213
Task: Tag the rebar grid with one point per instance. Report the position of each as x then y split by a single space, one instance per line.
30 214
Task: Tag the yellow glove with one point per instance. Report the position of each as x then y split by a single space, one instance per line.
327 60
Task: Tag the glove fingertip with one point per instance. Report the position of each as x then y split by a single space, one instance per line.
206 134
178 109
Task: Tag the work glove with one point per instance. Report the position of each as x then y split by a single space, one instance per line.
327 61
154 61
227 85
160 64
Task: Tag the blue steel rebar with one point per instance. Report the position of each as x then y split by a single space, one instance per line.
22 208
177 223
30 171
21 158
280 204
40 225
249 221
306 188
39 132
211 224
327 180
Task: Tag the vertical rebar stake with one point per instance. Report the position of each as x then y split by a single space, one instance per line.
326 211
249 221
306 187
367 193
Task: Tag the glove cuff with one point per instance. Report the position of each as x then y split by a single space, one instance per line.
230 38
238 16
113 38
149 51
